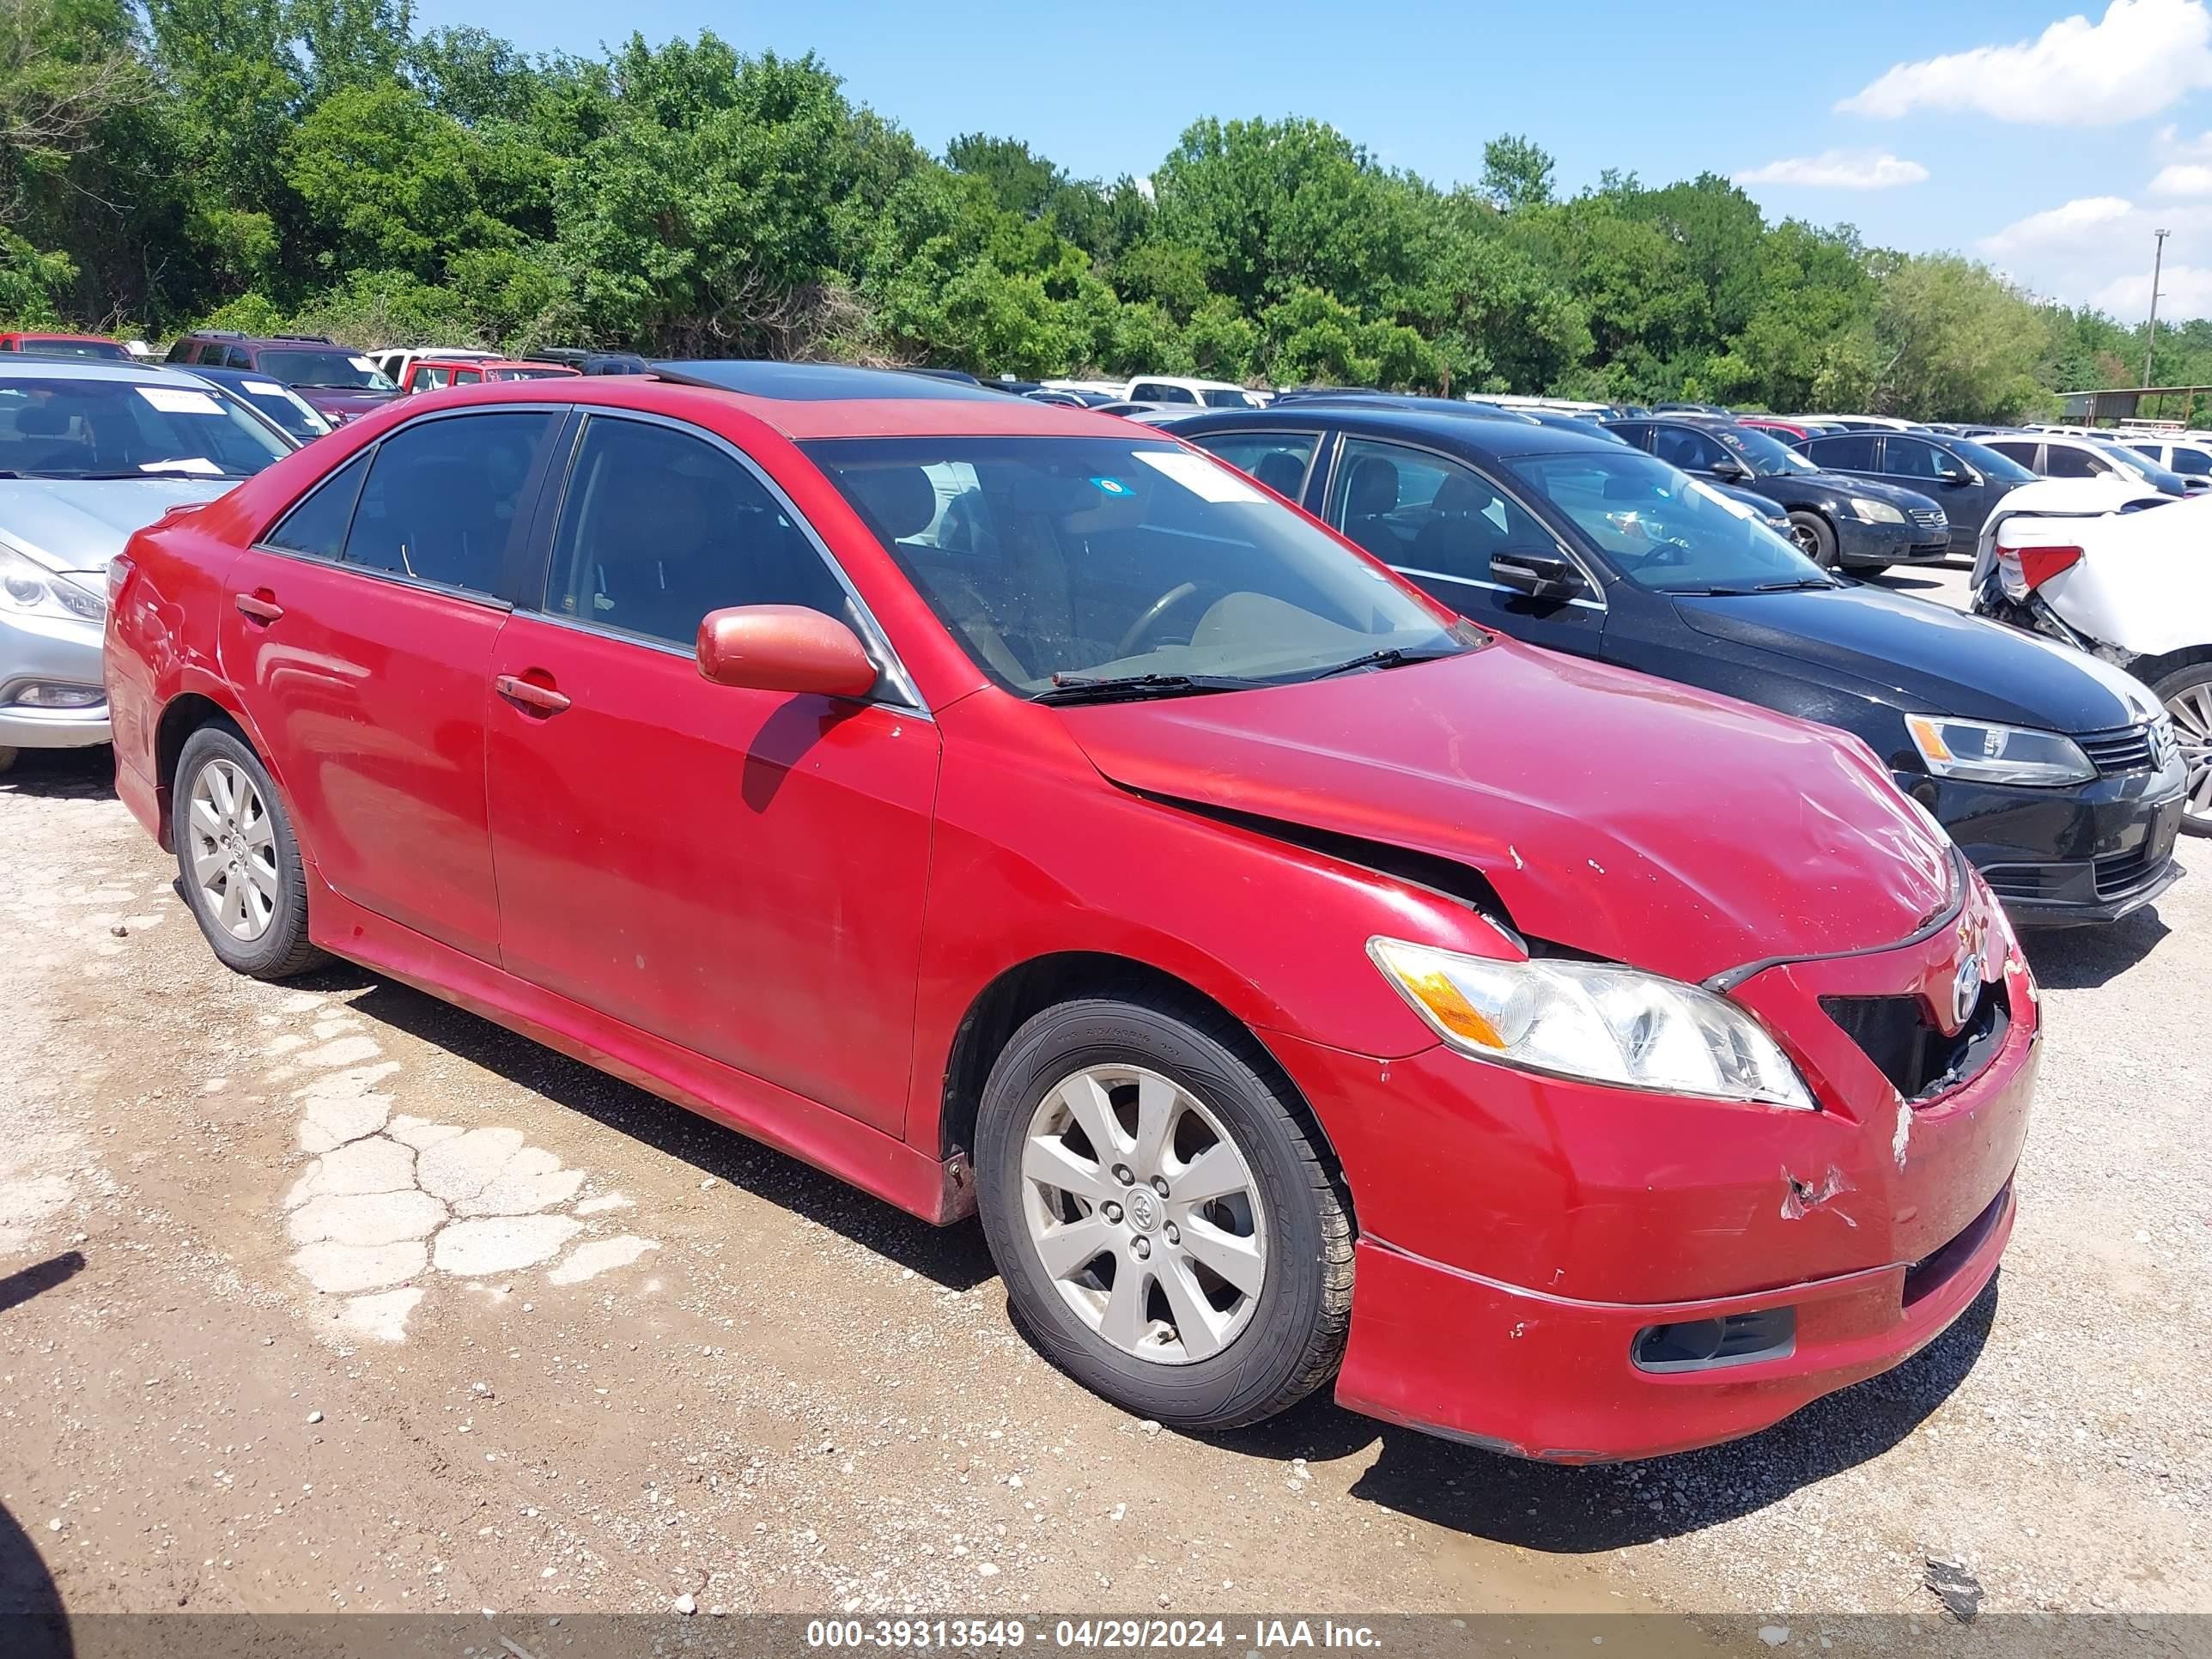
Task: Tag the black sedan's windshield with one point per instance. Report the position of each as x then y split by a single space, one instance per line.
1073 567
337 370
1664 529
119 428
1767 458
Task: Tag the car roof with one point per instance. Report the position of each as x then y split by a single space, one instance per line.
92 368
1492 439
803 401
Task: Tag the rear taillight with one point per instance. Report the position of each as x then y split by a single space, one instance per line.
118 572
2037 565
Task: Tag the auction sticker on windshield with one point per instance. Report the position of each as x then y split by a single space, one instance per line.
170 400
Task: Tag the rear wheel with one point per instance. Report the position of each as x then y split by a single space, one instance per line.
7 759
1168 1230
2187 695
1816 538
239 861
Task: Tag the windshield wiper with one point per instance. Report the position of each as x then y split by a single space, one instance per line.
1795 585
1390 656
1124 688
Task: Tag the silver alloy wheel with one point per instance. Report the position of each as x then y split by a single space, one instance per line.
234 851
1807 540
2191 708
1144 1213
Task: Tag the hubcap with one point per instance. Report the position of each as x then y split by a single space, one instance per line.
2192 709
1144 1213
233 847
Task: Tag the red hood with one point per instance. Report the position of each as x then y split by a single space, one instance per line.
1629 817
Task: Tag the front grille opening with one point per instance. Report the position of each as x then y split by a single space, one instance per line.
2119 874
1701 1345
2131 748
1920 1061
1931 1272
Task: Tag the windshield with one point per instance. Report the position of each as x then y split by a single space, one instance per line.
331 367
1766 456
548 373
1061 560
1664 529
1997 469
107 351
87 429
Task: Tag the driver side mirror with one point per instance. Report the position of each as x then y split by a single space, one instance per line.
1953 473
783 647
1539 575
1728 467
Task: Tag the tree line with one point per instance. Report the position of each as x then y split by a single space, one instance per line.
321 166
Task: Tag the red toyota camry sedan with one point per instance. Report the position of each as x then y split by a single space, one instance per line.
1008 809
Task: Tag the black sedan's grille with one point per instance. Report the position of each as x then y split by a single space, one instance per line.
1928 517
1919 1061
2118 875
2131 748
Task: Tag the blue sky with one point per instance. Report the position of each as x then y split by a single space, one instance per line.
2045 140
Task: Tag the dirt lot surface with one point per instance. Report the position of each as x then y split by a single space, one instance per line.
328 1296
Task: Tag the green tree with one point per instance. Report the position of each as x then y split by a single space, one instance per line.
1515 172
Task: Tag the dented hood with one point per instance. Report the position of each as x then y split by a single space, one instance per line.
1645 822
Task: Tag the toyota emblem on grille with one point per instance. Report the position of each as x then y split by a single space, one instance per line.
1966 988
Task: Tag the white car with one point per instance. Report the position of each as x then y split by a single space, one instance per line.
1170 389
2064 455
2123 571
2191 460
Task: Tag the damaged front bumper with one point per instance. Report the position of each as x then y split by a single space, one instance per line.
1581 1274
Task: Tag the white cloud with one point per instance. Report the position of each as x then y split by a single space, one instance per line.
2140 58
1838 169
2183 179
2097 251
2182 291
2060 226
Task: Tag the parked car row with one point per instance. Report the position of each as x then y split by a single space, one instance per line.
1015 810
2057 774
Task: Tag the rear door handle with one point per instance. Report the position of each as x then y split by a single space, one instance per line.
542 698
259 608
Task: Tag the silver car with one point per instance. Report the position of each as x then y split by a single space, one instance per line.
90 452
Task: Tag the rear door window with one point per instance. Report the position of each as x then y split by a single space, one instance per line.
2068 462
443 498
1846 452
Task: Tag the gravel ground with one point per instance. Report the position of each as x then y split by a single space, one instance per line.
329 1295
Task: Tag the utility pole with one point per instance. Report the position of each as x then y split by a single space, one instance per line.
2157 264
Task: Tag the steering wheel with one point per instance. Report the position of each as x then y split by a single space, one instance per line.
1181 594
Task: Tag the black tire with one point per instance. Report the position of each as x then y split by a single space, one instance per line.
7 759
1816 537
1295 1336
283 950
2193 680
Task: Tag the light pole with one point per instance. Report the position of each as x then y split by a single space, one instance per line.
2157 264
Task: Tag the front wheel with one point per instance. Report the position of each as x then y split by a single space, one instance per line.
2187 695
1816 538
238 860
1167 1229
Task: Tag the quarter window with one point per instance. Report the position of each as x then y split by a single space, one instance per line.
657 528
443 497
317 527
1278 460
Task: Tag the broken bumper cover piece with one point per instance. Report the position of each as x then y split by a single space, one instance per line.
1530 1247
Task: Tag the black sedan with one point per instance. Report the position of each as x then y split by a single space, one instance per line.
1966 479
2045 765
1854 523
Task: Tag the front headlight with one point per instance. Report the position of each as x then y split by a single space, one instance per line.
1982 753
1595 1021
1875 512
32 588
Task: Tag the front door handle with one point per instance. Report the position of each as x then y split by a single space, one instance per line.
541 699
258 607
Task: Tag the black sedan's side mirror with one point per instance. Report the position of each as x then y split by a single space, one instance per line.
1953 473
1539 575
1728 467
